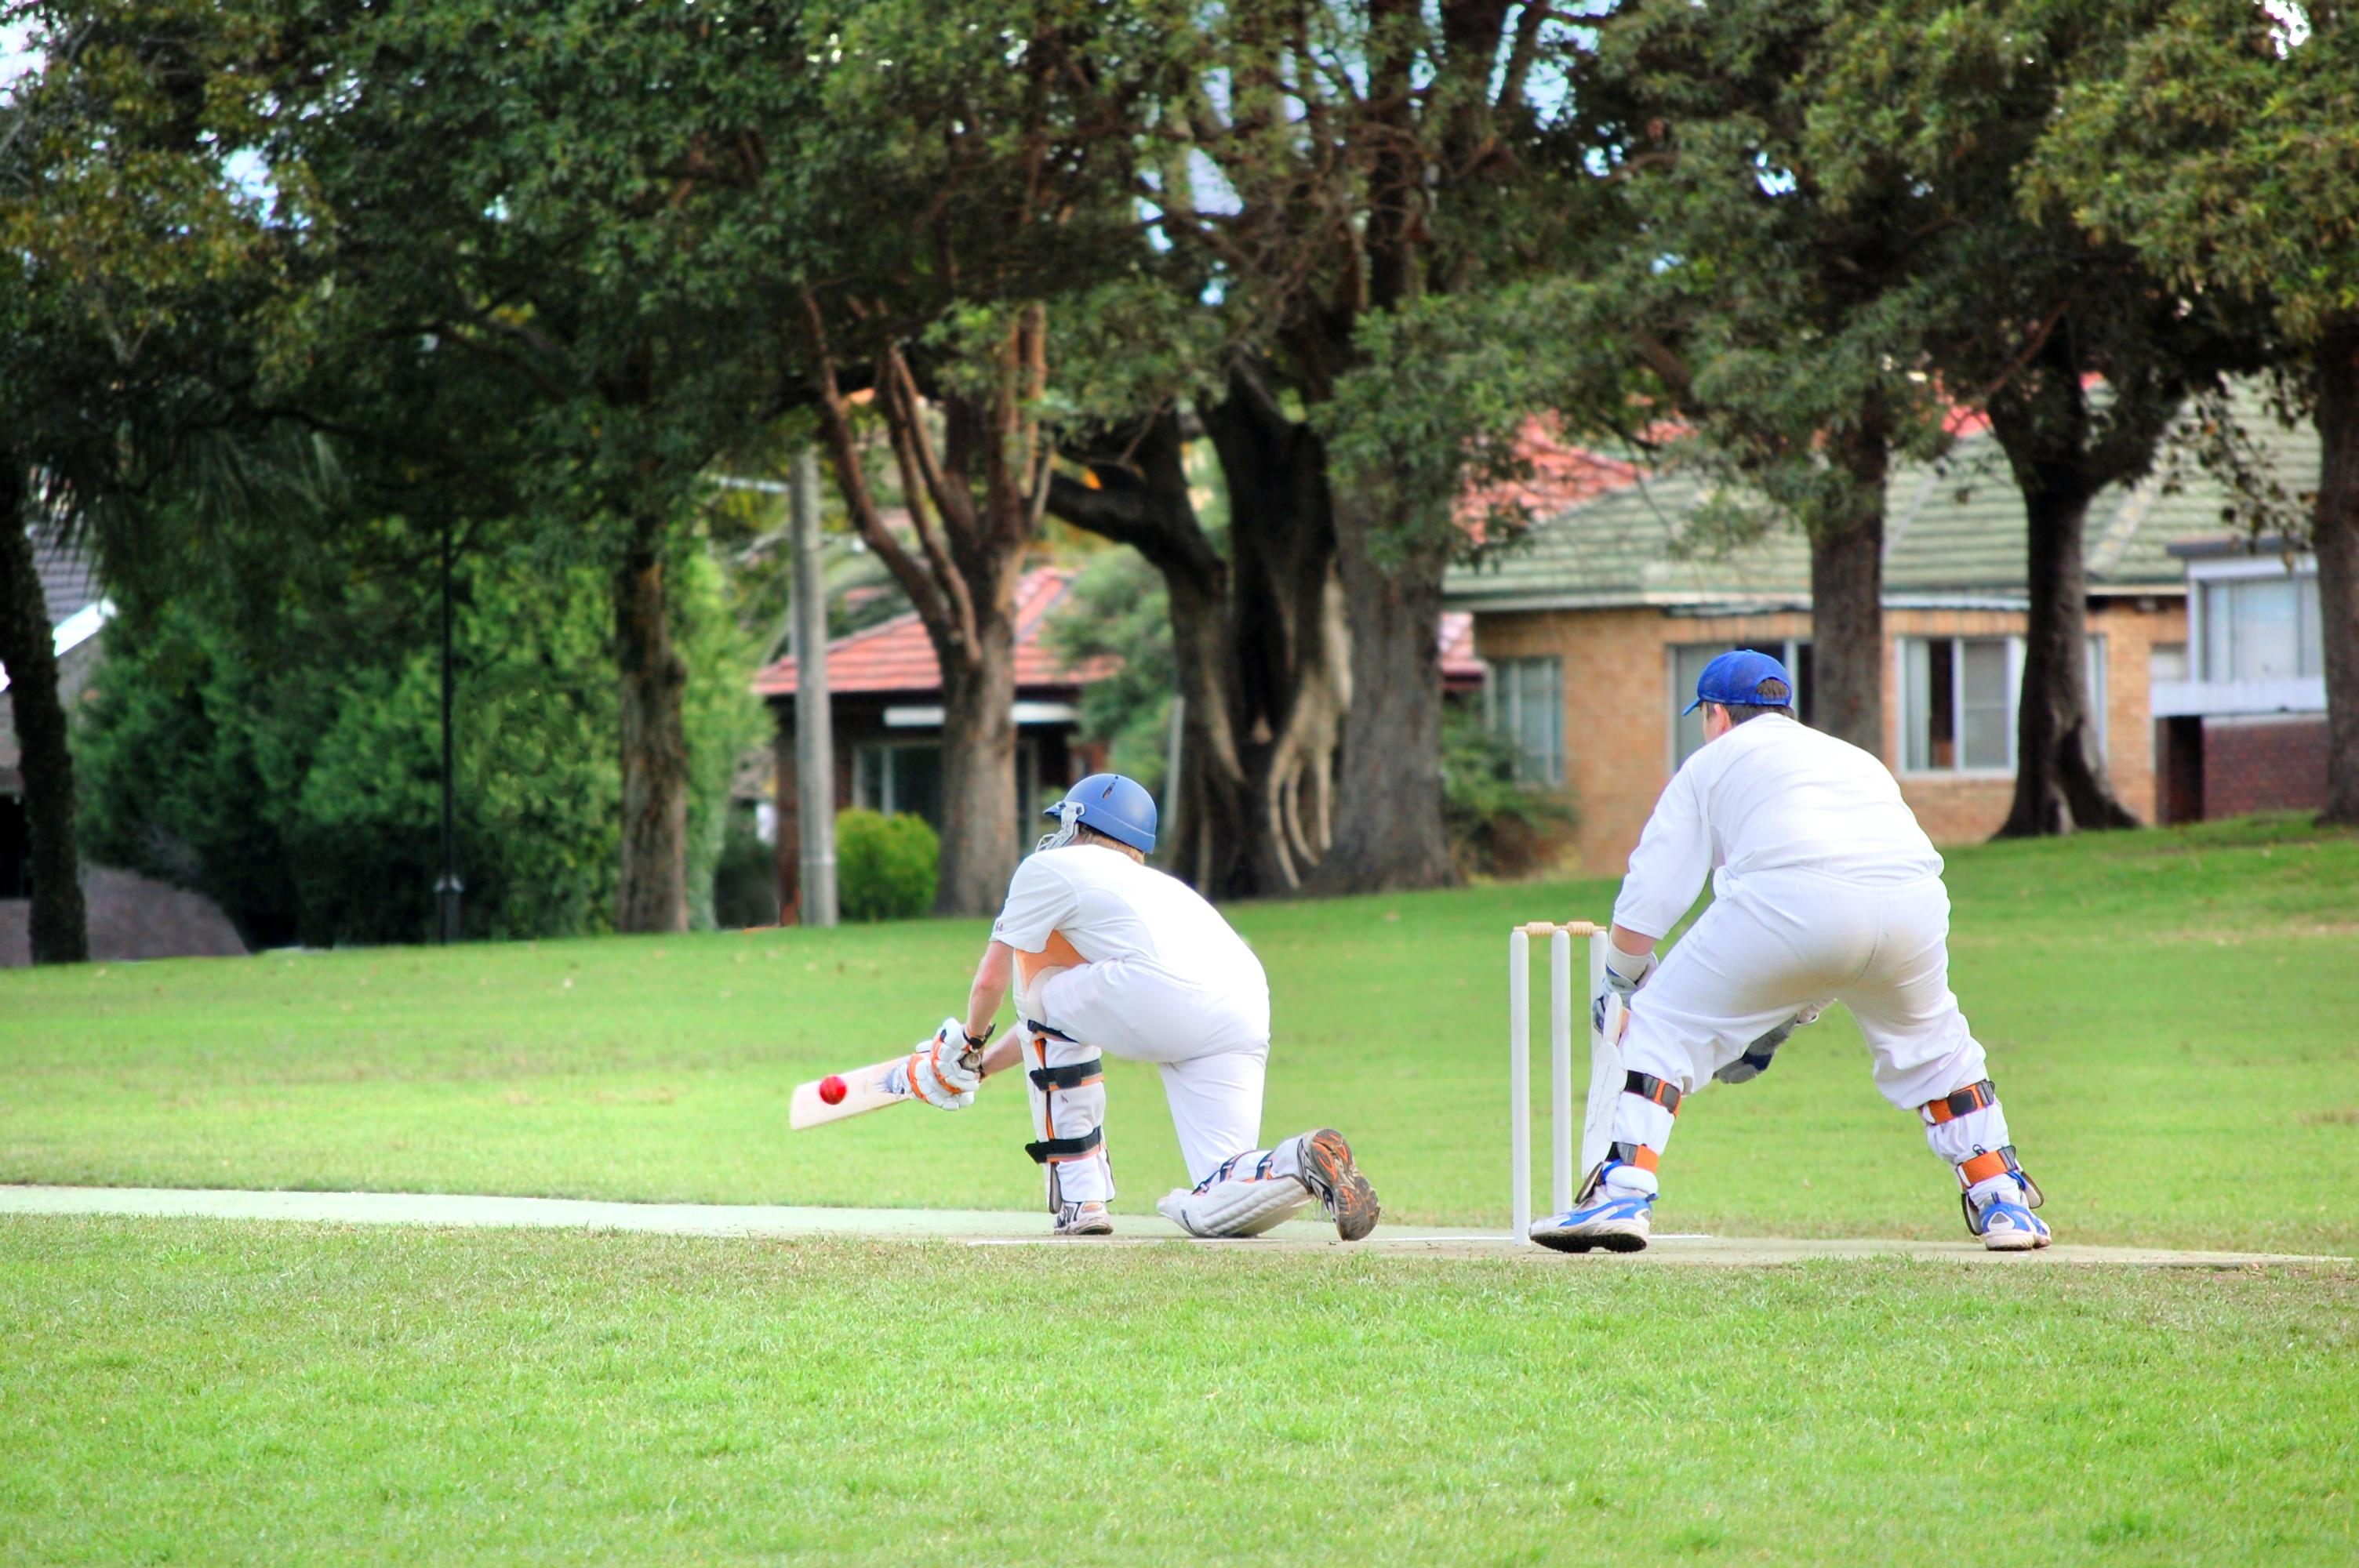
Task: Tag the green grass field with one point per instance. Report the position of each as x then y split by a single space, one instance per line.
2174 1019
188 1391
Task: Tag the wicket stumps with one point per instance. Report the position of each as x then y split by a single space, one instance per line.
1563 1169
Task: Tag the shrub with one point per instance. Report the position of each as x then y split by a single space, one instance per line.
886 867
1496 826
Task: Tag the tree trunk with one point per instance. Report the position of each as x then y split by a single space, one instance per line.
59 925
652 891
1259 640
2059 773
1387 815
2335 533
980 839
1847 597
1290 657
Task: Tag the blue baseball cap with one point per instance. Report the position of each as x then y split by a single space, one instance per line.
1737 678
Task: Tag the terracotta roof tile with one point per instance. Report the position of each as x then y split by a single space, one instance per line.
897 655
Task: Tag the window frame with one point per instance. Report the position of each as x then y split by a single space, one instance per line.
1503 712
2309 614
1907 707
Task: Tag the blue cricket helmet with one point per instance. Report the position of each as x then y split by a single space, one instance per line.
1110 804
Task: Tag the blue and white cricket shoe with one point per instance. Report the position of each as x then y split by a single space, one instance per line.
1617 1222
2005 1223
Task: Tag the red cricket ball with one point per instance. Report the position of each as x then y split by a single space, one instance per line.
831 1089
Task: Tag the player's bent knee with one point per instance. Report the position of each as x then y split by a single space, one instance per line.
1233 1203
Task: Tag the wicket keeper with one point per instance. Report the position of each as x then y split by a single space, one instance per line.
1824 889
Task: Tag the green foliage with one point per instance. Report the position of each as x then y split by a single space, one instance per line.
2226 148
1118 610
887 868
297 779
746 878
1498 827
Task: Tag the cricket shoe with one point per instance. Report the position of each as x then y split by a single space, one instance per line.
1083 1219
2005 1221
1619 1222
1334 1179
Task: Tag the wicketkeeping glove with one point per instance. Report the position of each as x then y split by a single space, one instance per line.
1626 972
943 1072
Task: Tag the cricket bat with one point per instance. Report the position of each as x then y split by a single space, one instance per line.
862 1091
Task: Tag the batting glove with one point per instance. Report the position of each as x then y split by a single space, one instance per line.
942 1073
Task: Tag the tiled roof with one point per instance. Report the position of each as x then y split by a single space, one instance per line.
69 575
897 655
1953 532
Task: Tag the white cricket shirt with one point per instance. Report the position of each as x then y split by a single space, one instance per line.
1107 905
1771 794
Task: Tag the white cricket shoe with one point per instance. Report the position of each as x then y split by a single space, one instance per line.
1619 1222
2005 1223
1083 1219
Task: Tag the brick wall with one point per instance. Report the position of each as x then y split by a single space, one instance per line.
1618 708
2263 764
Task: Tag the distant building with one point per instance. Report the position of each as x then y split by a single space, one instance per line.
2241 716
130 917
1596 629
884 690
77 610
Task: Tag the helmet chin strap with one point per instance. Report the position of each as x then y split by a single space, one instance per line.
1069 824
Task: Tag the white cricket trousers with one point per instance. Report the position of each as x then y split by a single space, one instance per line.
1775 942
1213 1047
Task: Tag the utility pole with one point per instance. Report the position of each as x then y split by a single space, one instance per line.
447 888
814 734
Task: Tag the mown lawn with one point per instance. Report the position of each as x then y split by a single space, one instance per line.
193 1391
2173 1018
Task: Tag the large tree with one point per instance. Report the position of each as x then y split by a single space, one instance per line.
499 197
138 266
2224 149
1772 297
1330 165
968 194
2079 354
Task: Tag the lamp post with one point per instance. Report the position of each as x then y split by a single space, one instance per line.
446 887
814 737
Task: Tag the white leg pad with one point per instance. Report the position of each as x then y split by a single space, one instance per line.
1247 1196
1070 1111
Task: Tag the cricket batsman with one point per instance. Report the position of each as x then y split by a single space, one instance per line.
1824 889
1109 958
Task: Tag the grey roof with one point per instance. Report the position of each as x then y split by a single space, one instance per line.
1953 534
69 575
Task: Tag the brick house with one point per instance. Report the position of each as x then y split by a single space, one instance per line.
2240 724
884 695
1596 629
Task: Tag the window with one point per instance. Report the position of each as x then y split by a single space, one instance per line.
1958 702
1526 698
899 777
2262 628
1688 660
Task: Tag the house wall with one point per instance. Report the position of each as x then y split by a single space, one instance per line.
2263 764
1619 713
859 719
